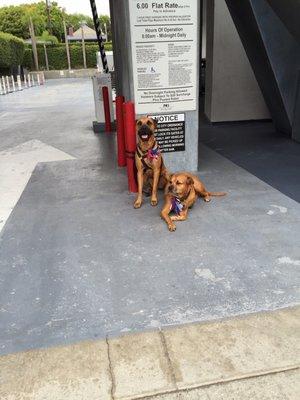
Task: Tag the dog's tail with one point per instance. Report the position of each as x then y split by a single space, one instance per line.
217 193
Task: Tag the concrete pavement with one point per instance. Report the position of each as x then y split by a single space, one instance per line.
16 167
80 268
78 262
255 357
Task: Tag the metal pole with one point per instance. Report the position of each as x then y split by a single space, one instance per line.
99 36
19 82
120 131
13 83
67 45
46 57
7 84
1 90
130 143
4 85
83 47
105 97
33 42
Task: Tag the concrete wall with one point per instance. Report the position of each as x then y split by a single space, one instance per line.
74 73
204 21
232 92
119 11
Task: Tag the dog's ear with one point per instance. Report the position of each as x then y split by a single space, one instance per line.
189 181
154 122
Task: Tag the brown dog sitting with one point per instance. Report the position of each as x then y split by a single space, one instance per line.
151 171
181 193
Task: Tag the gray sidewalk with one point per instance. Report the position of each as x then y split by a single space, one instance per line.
255 357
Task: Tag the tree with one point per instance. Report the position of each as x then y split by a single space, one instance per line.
75 20
12 21
11 50
15 19
37 13
46 37
56 19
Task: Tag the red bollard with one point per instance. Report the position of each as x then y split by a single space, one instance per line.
120 132
130 143
106 109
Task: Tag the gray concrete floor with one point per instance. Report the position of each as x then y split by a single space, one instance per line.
77 261
257 147
59 114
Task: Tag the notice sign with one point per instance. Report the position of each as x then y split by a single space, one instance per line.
170 133
164 54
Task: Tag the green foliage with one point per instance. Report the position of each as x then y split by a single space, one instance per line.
15 19
11 50
47 38
28 58
105 26
11 21
76 20
57 56
56 22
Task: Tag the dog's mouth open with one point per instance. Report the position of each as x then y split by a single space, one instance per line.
145 133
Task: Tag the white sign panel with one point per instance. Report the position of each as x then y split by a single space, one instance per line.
164 55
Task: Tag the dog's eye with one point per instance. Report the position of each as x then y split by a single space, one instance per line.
149 123
139 123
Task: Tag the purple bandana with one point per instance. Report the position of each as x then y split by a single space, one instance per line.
176 206
153 154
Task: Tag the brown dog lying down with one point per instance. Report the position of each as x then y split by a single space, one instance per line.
181 193
151 171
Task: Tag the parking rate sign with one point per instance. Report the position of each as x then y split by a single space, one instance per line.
164 55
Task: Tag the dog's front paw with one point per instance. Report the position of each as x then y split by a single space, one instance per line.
172 227
154 201
137 203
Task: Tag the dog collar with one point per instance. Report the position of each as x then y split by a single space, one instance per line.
176 205
154 151
150 154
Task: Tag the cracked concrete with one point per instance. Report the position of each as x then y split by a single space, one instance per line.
251 357
167 356
112 376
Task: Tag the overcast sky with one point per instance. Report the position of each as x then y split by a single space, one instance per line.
71 6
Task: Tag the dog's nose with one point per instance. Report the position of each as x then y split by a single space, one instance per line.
171 187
